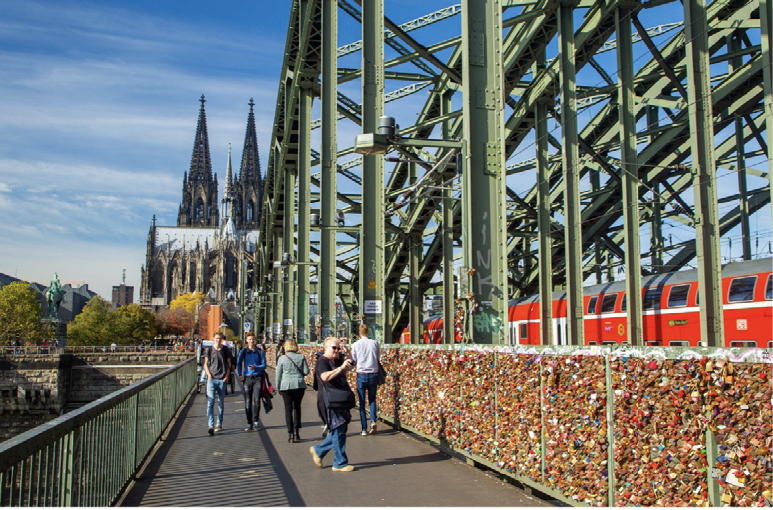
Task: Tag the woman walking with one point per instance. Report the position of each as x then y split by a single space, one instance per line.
291 368
334 399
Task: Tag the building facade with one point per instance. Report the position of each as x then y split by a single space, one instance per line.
202 252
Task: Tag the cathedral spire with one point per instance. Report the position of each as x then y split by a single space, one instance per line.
201 164
249 184
228 170
198 207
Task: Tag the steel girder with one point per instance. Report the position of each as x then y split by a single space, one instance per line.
663 156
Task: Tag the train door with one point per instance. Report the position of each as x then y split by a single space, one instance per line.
559 331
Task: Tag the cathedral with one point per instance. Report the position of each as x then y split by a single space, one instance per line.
202 252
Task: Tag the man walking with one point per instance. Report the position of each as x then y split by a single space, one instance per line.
366 353
218 362
251 368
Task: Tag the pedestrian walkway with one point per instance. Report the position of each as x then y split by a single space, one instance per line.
237 468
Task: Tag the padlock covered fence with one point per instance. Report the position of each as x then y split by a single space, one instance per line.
594 426
88 456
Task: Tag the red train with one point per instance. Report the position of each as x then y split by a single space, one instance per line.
671 315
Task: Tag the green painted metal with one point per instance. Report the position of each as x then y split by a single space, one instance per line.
288 241
575 334
662 147
629 174
304 211
766 49
483 173
611 500
86 457
372 242
329 149
704 172
544 220
447 233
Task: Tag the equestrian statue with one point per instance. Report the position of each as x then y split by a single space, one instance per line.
54 296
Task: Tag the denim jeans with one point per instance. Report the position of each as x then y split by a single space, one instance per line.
336 441
367 382
253 385
215 387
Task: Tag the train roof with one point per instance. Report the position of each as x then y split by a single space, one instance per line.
728 270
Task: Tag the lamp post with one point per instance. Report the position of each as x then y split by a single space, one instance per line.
378 144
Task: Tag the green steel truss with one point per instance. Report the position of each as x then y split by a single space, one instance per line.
669 91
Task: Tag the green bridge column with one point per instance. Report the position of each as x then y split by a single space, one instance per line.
304 210
448 235
704 173
544 221
483 177
328 188
372 294
575 335
630 172
288 246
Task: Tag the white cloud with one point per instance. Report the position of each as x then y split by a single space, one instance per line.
4 188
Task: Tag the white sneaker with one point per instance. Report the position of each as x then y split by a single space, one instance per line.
218 428
364 433
373 427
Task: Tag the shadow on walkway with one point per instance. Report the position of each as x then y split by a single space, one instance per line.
238 468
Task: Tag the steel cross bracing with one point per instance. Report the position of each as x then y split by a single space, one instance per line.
664 172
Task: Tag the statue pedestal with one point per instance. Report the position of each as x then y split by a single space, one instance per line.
59 327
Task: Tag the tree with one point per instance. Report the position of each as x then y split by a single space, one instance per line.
189 302
93 325
132 324
177 321
20 313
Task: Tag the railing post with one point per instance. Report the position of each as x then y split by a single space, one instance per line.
610 434
65 481
711 454
543 460
136 435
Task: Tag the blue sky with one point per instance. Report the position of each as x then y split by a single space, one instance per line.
98 110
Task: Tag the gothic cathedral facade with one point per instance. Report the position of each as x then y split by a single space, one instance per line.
203 252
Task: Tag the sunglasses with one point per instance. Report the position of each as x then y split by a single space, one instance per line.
336 348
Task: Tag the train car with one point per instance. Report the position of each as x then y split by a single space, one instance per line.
670 310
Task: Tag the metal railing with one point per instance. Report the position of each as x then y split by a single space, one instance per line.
88 456
30 350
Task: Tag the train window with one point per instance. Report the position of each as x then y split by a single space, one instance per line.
652 298
609 342
653 343
769 287
592 305
743 343
608 303
770 343
678 343
741 289
624 304
524 332
677 296
591 343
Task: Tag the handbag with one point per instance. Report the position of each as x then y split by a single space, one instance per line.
381 377
339 398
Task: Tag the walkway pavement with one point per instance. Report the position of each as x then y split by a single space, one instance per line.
237 468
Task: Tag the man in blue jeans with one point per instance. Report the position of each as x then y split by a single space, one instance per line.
218 362
366 353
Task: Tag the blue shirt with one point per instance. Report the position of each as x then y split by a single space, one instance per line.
248 357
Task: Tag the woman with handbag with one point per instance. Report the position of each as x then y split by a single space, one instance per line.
291 368
335 398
